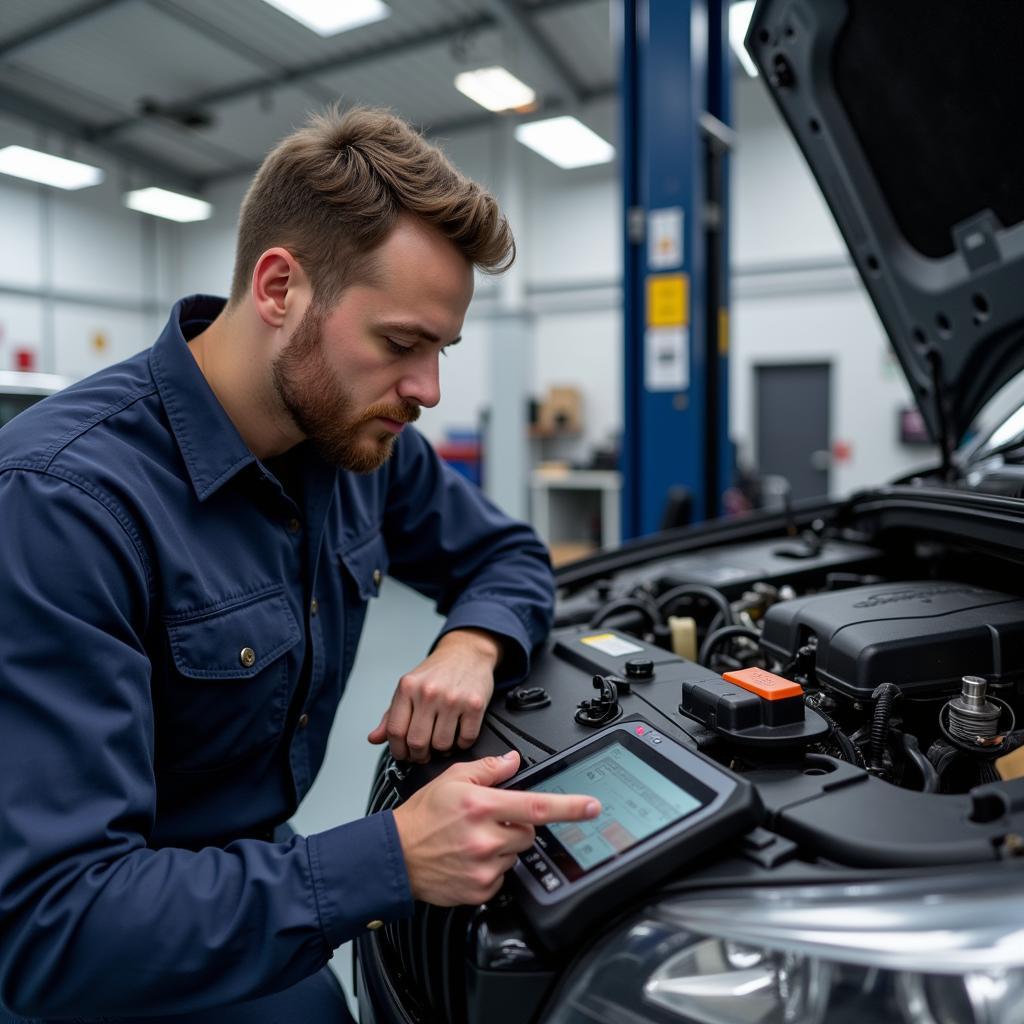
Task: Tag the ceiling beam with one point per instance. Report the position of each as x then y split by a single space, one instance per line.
55 24
42 115
473 122
300 76
515 19
199 24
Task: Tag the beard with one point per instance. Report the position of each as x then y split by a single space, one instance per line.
325 410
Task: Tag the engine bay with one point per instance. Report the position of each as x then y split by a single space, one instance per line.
865 678
918 677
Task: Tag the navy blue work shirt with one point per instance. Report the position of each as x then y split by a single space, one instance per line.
177 622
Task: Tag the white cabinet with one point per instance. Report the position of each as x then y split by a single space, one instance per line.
571 508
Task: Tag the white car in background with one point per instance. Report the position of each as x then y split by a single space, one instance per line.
20 388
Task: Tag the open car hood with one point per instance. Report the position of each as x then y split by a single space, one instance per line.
908 114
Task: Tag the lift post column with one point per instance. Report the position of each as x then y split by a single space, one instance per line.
674 140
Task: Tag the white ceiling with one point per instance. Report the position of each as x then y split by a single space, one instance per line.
193 91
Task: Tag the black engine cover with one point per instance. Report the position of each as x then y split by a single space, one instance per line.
922 636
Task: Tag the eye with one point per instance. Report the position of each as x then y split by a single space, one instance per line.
397 349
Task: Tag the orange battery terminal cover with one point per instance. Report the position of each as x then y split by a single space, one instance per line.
766 685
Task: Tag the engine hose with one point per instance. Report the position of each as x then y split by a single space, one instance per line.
851 752
987 772
725 633
929 776
884 696
627 604
941 755
672 597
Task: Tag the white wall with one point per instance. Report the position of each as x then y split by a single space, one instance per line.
83 281
797 299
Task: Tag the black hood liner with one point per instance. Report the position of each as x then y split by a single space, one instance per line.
939 127
911 116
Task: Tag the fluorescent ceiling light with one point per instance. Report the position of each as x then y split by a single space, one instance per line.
495 88
566 142
740 14
173 206
329 17
46 169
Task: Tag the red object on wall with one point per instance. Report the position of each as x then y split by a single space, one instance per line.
842 451
24 359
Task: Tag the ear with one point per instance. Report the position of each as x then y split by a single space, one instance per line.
278 283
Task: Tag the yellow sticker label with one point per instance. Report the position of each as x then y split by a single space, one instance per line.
609 643
668 302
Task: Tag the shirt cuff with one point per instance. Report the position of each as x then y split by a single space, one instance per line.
359 877
496 618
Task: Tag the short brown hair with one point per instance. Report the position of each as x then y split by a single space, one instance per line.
331 192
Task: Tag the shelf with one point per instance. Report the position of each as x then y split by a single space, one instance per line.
562 499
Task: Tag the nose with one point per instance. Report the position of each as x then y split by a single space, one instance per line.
422 384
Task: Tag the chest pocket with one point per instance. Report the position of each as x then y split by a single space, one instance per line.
229 691
363 567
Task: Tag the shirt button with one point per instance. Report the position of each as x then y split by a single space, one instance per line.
377 577
247 656
294 525
303 721
314 606
374 925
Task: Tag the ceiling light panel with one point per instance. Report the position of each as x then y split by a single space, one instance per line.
495 88
158 202
566 142
55 171
329 17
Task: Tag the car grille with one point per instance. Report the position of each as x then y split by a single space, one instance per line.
423 956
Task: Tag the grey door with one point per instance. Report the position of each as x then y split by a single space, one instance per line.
793 439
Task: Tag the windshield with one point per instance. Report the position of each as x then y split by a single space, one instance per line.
999 427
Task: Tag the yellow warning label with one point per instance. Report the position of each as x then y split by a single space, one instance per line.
668 300
723 332
609 643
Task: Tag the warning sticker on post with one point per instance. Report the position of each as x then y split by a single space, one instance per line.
609 643
667 358
668 302
665 238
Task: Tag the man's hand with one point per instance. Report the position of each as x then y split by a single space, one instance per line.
447 692
459 836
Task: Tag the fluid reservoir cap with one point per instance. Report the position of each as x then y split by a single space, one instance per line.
640 669
766 685
753 707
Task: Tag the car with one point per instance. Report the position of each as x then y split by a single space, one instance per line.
855 664
21 388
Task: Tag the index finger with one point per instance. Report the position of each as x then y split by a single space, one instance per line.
522 808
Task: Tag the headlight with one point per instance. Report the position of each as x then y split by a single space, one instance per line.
928 951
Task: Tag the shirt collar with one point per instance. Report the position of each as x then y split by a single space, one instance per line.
211 446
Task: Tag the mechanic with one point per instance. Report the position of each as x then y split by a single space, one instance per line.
189 542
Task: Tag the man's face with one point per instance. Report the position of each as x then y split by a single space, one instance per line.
352 376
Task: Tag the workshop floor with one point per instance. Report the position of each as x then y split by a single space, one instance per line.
400 627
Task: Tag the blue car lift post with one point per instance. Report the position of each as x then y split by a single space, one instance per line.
675 91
